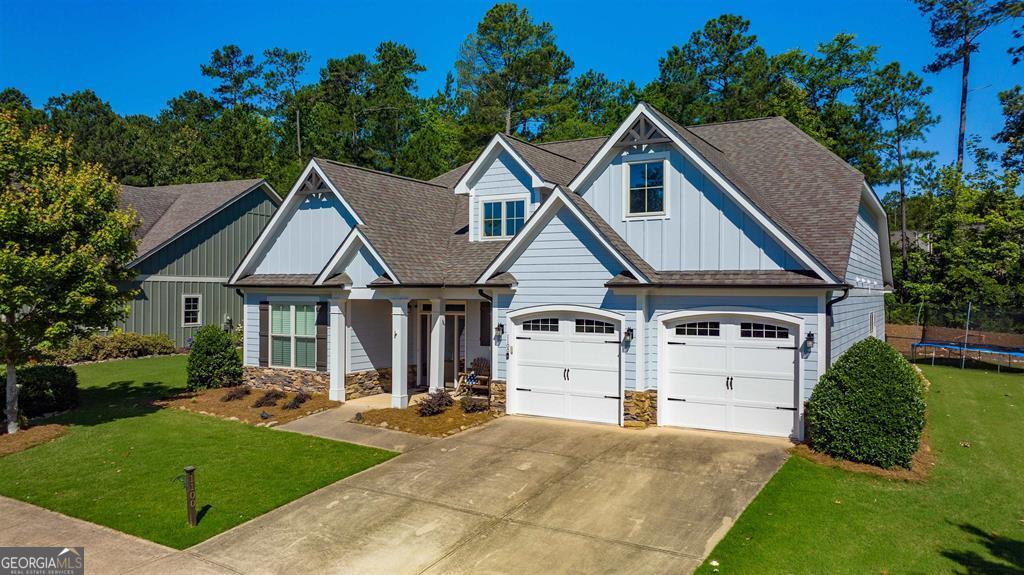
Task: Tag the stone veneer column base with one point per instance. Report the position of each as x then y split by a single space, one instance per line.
291 380
640 408
498 395
357 384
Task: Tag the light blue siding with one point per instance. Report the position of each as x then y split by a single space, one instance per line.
565 264
851 319
363 268
806 307
865 267
309 237
504 176
705 229
369 325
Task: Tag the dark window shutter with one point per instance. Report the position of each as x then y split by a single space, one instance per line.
485 324
264 356
322 319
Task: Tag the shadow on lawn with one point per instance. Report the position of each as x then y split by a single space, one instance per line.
1008 552
116 400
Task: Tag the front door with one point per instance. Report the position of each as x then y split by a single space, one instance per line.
454 346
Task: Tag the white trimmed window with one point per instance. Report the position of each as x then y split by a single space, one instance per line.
191 310
646 188
293 335
503 219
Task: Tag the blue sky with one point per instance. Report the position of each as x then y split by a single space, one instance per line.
139 54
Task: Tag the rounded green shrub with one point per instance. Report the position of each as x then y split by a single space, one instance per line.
213 360
868 407
44 389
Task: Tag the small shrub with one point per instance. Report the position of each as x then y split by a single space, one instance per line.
270 398
213 361
236 393
472 404
296 401
869 407
44 389
435 402
119 345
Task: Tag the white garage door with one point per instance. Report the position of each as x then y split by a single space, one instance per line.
567 366
730 374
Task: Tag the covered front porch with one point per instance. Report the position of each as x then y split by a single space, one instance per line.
429 341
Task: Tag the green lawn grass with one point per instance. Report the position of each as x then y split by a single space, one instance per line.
118 464
968 517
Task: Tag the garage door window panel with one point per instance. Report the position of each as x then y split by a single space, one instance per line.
594 326
763 331
542 324
700 329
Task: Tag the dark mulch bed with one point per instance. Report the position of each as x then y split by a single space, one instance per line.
920 466
449 422
209 402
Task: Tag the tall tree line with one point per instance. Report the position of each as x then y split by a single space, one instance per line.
510 75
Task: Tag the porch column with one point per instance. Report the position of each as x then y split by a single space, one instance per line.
399 353
339 350
436 358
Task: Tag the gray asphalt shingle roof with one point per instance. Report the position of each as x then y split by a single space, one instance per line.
166 211
810 193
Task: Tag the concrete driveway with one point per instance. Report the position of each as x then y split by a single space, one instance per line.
517 495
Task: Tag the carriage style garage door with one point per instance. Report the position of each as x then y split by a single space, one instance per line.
566 365
734 373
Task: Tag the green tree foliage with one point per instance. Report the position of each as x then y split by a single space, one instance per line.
1012 133
238 74
434 148
510 71
16 102
956 26
281 84
592 106
64 248
894 103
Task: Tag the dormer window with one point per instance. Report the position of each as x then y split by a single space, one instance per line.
646 188
503 219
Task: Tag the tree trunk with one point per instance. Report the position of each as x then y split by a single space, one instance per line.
12 399
963 109
905 272
298 134
508 121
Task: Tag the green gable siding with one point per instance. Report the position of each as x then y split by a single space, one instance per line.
215 247
209 253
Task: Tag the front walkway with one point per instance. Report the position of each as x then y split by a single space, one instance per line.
516 495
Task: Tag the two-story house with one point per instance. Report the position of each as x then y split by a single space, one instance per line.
698 276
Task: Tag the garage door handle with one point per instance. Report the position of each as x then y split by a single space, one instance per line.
677 343
523 337
611 397
786 408
675 399
612 341
787 347
523 389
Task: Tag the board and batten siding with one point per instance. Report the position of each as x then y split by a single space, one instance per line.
853 317
308 237
805 307
503 177
704 230
208 253
565 265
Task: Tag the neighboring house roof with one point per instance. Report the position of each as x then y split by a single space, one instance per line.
277 280
167 212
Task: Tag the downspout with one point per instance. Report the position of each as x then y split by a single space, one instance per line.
828 325
485 296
